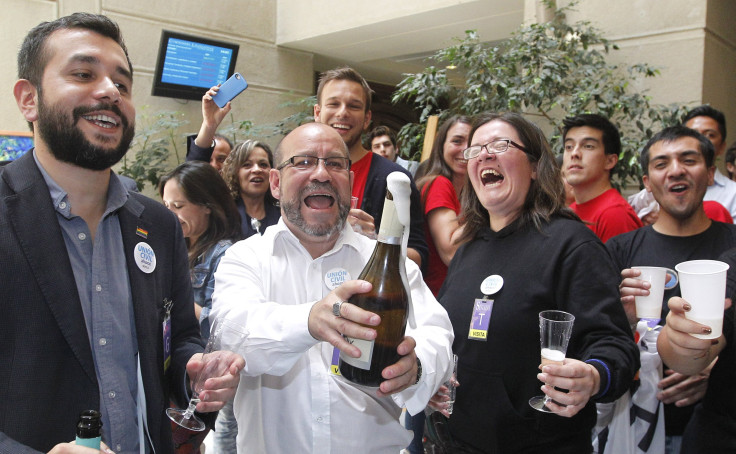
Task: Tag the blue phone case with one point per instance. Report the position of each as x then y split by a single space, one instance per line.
230 89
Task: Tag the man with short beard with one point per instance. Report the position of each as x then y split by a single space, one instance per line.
678 165
286 287
97 301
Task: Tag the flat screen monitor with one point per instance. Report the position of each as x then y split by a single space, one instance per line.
187 66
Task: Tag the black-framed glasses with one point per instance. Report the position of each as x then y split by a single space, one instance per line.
332 163
495 147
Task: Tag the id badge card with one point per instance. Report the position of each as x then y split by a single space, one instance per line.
166 325
480 319
335 363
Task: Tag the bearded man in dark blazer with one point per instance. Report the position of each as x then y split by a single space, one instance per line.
95 298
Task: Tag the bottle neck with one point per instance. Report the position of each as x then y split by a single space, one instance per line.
391 229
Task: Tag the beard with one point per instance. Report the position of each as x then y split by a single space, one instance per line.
292 211
67 142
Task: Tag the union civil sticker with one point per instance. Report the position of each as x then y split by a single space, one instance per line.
491 284
335 277
145 258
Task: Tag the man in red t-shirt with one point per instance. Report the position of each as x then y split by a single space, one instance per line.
592 145
344 103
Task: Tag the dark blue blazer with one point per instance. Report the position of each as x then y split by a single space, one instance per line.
48 375
375 194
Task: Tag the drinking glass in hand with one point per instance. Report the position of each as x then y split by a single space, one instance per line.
555 328
225 337
451 385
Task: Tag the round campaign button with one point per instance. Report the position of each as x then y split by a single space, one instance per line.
145 258
335 277
670 280
491 284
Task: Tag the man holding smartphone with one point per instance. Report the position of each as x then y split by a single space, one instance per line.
207 145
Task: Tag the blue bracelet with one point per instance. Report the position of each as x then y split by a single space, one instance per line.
608 375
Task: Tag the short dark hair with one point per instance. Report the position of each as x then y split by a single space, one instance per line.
730 157
225 139
32 57
344 73
611 136
672 134
379 131
708 111
202 185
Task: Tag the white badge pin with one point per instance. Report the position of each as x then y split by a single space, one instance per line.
335 277
145 258
492 284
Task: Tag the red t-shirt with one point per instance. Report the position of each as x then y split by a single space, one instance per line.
360 176
608 215
441 195
717 212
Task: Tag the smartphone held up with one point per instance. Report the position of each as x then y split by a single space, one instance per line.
230 89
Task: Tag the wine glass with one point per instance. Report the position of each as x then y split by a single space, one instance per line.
555 328
451 385
225 337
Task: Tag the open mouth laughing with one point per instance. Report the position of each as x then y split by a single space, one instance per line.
319 201
490 177
678 188
341 126
103 121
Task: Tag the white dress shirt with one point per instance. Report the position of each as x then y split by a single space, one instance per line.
723 191
288 401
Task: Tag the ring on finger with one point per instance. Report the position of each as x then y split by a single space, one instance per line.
336 308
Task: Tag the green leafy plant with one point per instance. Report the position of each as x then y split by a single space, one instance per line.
545 70
303 113
239 130
155 139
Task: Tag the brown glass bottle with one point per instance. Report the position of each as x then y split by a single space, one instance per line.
389 298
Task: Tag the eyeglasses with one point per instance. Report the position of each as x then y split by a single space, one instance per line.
496 147
332 163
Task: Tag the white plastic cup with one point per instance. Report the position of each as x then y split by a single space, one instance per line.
703 285
651 306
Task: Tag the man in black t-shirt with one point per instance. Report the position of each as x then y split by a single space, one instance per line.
678 167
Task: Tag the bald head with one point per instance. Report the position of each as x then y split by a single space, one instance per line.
314 193
298 141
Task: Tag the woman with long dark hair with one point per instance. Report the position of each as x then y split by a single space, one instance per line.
524 252
246 172
195 192
441 183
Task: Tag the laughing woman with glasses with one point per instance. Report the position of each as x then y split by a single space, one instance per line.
246 172
524 252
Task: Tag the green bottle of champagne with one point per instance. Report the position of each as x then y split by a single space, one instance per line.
389 297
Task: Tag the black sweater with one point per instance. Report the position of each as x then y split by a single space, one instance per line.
564 267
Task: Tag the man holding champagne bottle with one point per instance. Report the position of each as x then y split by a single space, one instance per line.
289 289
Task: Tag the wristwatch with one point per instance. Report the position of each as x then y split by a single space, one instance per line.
419 371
